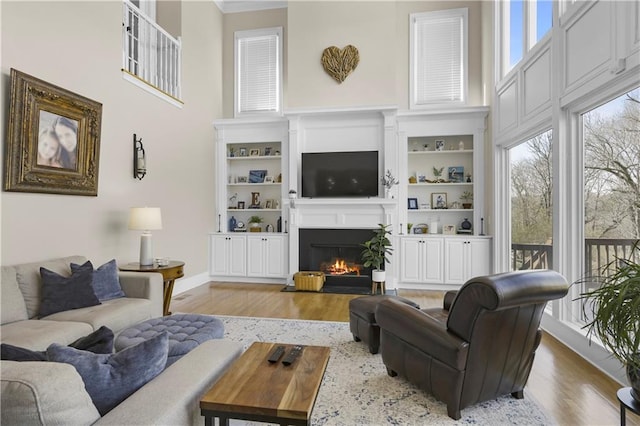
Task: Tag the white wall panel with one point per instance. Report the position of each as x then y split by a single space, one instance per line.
507 107
586 51
537 85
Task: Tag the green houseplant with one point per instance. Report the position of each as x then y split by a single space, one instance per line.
376 251
613 313
254 224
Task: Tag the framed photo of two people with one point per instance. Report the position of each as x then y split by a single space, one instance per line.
53 139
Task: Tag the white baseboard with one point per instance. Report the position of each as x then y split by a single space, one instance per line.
185 284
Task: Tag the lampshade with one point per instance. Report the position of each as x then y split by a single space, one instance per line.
145 218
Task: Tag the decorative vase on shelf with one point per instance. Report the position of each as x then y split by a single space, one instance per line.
232 224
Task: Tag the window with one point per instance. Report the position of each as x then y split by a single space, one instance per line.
151 57
438 57
258 71
611 178
531 203
524 23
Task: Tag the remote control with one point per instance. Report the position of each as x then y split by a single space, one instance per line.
276 354
292 355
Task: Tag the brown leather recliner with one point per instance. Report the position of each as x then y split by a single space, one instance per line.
479 346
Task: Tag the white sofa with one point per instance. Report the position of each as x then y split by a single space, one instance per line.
46 393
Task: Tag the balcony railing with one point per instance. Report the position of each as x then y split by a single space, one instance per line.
149 52
599 252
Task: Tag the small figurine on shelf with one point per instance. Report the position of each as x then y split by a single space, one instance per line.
437 173
468 177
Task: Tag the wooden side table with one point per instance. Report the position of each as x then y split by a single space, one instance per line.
170 272
627 403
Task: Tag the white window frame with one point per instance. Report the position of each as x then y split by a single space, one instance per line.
239 35
529 34
425 17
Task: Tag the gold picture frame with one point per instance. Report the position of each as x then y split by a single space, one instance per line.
53 139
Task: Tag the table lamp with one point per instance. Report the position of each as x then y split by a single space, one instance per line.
145 219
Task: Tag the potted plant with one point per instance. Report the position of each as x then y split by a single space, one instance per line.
388 181
254 224
376 252
467 198
437 173
613 313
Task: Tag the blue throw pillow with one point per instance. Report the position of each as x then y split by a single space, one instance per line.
98 342
110 379
106 283
65 293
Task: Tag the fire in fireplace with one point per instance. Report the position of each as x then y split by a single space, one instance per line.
337 253
340 267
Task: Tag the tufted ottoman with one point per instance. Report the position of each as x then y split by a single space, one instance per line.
186 331
362 320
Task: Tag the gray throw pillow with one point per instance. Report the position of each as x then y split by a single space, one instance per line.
110 379
98 342
65 293
106 283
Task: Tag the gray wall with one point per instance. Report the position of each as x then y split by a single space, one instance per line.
78 46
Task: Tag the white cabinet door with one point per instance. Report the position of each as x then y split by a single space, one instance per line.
433 254
237 255
411 260
275 257
454 261
421 260
228 255
266 256
218 263
479 257
466 258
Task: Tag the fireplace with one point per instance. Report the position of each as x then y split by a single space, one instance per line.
337 253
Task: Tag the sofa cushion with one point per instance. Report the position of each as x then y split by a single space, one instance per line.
116 314
106 284
37 335
28 277
44 393
110 379
98 342
13 306
65 293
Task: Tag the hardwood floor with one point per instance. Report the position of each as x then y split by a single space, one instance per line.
571 391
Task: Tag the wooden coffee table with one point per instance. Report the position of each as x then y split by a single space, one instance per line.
256 390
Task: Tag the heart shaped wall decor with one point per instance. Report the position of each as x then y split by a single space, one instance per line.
339 63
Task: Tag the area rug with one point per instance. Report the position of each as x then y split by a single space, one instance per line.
356 389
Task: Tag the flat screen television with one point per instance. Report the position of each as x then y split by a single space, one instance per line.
340 174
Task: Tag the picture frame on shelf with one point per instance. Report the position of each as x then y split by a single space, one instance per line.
257 176
456 174
240 205
440 145
422 178
267 151
242 179
439 200
242 152
268 204
412 204
268 179
449 229
254 152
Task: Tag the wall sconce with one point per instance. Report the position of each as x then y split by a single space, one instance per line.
139 162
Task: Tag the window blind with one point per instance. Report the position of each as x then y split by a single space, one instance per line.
258 73
439 58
